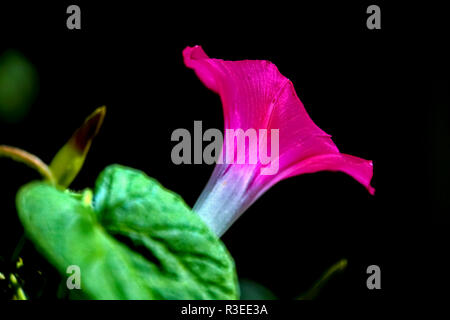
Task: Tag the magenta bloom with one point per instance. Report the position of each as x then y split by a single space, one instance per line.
256 95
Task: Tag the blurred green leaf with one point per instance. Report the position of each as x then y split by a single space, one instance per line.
137 241
69 160
251 290
18 86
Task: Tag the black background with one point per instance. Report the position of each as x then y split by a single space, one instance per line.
369 89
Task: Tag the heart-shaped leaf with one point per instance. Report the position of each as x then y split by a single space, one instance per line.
137 241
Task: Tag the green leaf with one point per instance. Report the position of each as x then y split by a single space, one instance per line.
69 160
137 241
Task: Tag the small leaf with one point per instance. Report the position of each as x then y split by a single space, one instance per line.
70 158
137 241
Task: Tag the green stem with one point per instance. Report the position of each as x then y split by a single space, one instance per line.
327 275
29 159
18 248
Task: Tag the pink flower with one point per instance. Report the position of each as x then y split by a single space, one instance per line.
256 95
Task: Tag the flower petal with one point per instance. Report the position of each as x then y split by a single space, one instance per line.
255 95
360 169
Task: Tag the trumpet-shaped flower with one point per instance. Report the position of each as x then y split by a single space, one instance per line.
255 95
